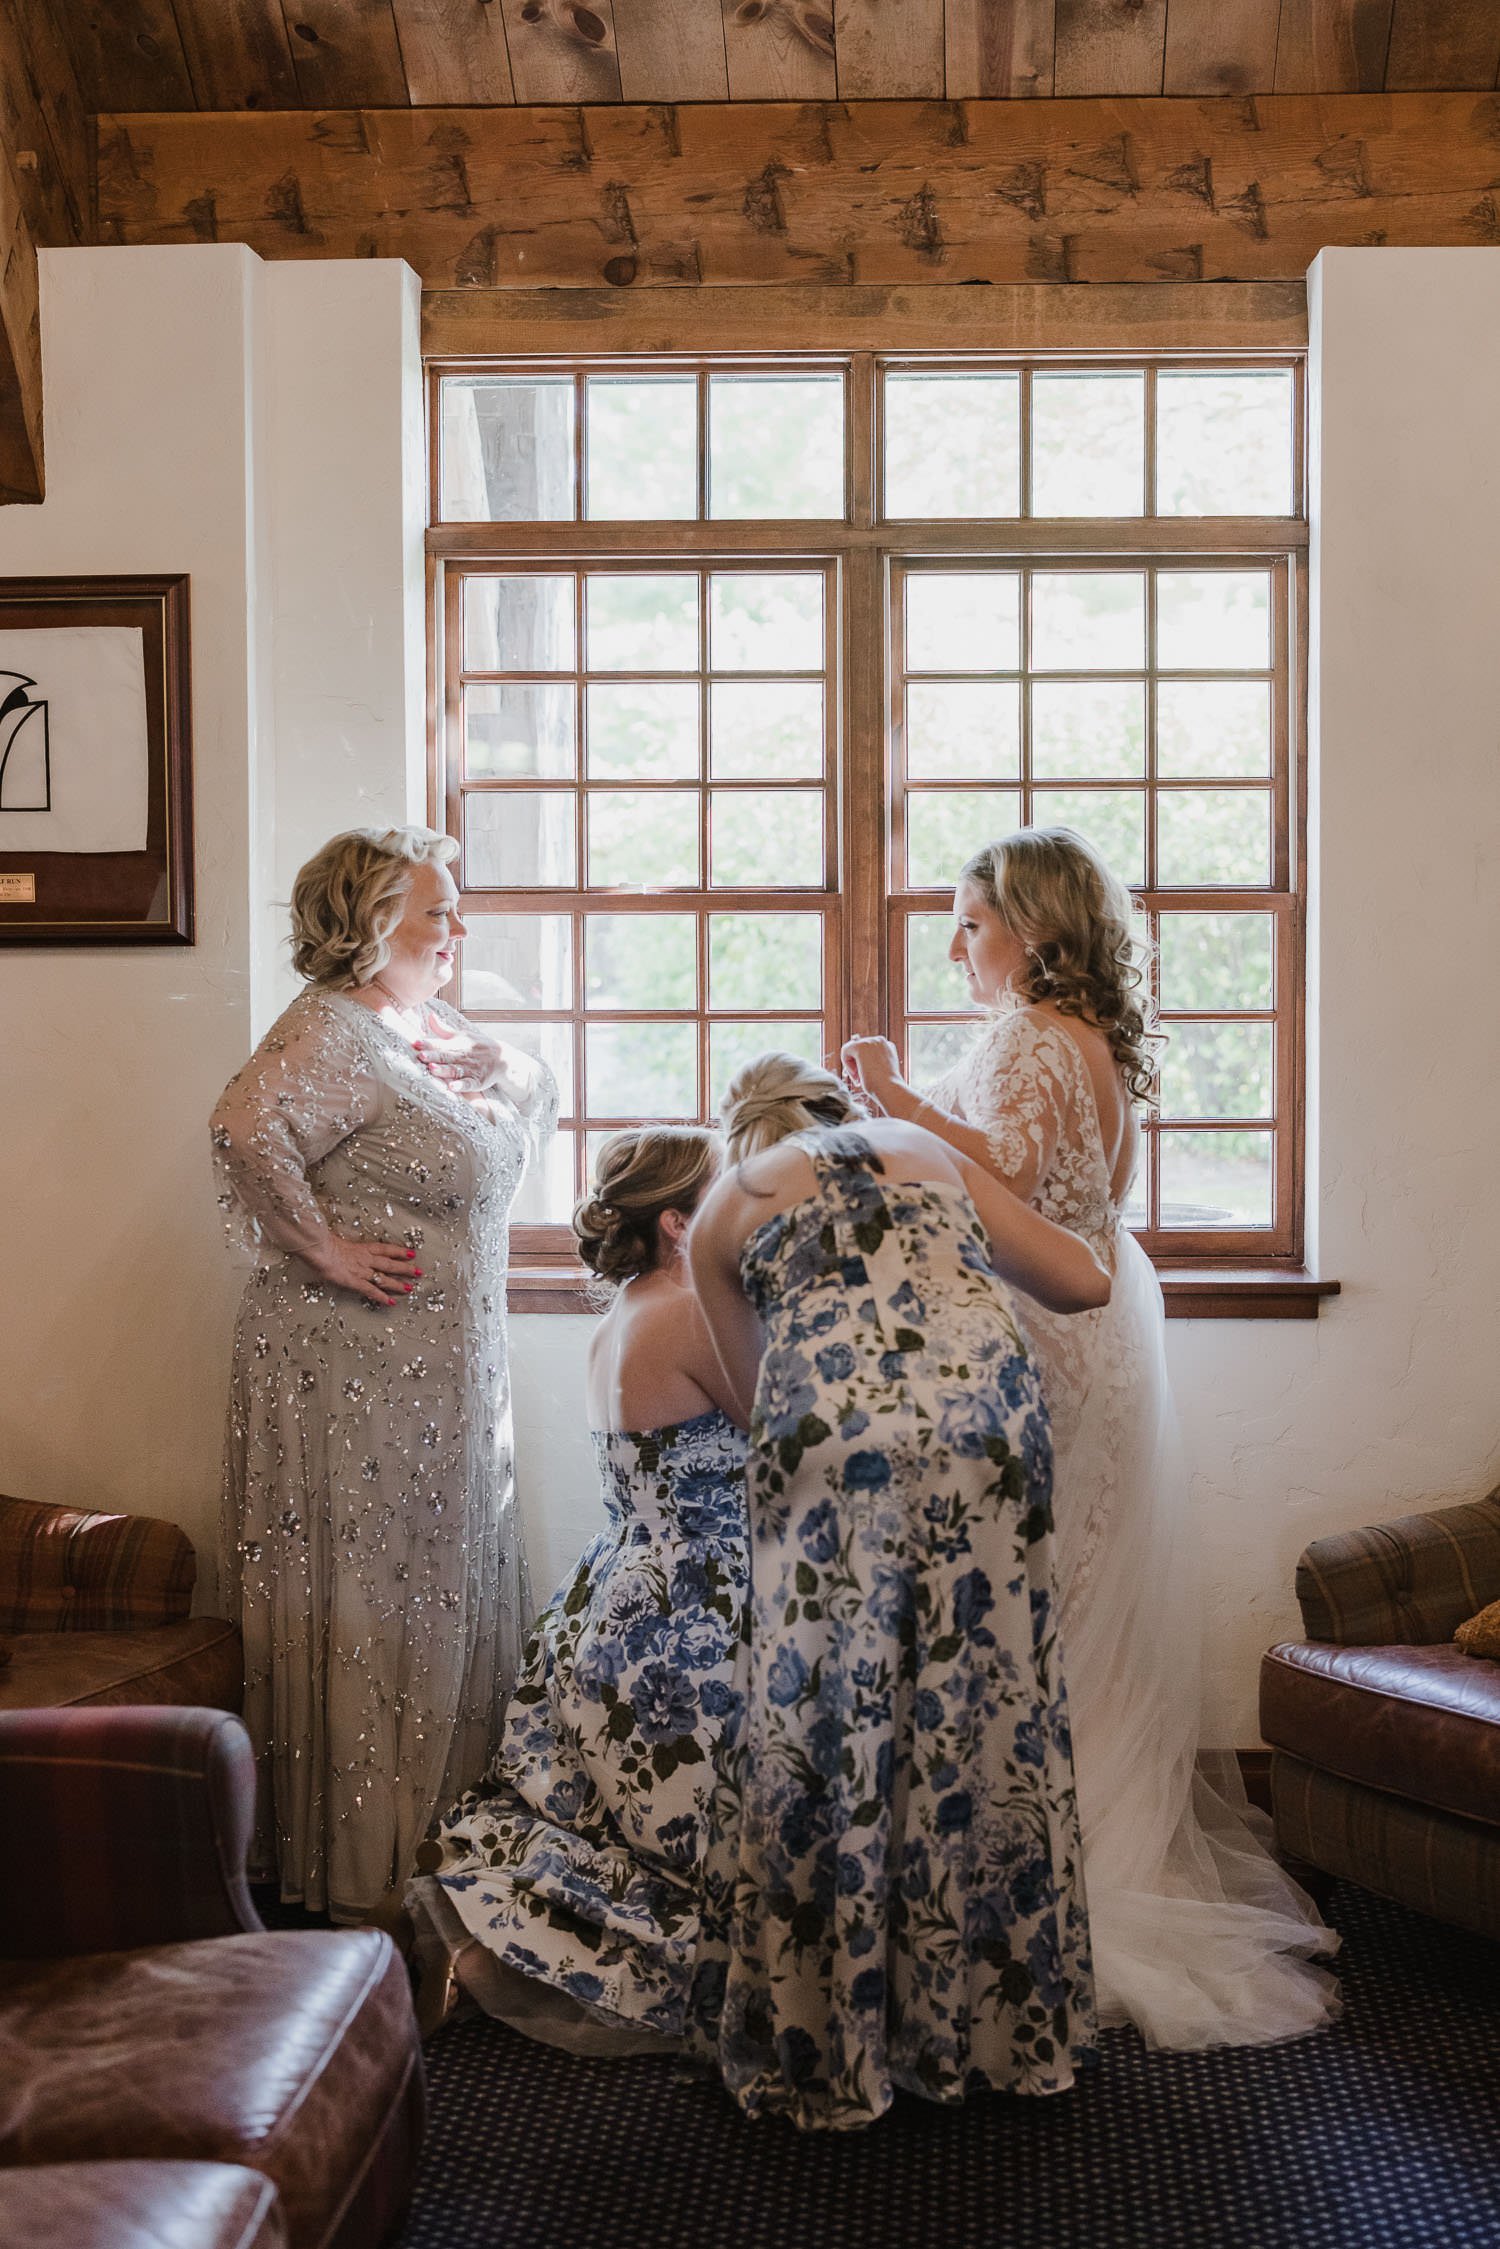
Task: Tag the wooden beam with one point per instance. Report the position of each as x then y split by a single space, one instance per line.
884 192
21 476
1240 316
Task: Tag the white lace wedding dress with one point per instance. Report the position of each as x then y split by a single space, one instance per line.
1199 1938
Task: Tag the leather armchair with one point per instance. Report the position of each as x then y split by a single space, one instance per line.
147 2018
1385 1737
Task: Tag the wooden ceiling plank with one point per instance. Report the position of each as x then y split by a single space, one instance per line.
453 51
43 125
129 54
671 51
998 48
345 53
237 53
1220 47
1110 47
779 50
1116 189
888 50
562 50
1332 46
1443 44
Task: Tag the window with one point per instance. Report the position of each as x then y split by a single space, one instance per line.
742 659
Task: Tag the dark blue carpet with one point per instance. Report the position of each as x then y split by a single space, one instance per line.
1380 2133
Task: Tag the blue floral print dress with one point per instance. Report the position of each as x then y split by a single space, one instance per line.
576 1861
893 1893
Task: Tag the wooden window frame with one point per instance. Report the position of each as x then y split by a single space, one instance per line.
1199 1278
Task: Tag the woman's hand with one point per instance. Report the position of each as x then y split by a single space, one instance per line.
381 1272
467 1062
873 1068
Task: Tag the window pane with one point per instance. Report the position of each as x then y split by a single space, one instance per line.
959 730
553 1044
642 624
1213 726
518 624
775 445
641 1069
643 840
1217 1070
518 960
768 729
1088 444
1216 960
765 839
642 447
1112 820
1224 444
1088 728
507 448
933 1048
963 621
640 960
1088 620
932 980
1213 620
946 827
547 1193
643 731
522 727
516 839
1216 1178
766 621
732 1045
952 445
1213 835
765 960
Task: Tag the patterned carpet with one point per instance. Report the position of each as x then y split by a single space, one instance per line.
1377 2134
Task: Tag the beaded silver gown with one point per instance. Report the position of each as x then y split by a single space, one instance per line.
370 1528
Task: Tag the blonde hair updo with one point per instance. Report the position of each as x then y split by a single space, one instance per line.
1084 950
350 896
778 1094
640 1174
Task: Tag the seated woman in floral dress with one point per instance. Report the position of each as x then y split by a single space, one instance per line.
562 1894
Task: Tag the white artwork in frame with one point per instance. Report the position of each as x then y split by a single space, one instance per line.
74 739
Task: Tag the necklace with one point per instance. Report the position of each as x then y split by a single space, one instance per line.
404 1008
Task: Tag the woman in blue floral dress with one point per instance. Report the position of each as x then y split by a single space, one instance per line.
563 1891
893 1889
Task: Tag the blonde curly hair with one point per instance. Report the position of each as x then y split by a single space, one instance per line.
350 896
641 1174
1084 949
778 1094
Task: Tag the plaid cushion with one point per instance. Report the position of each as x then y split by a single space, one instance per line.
1440 1864
62 1570
1414 1580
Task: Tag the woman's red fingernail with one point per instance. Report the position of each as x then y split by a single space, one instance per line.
418 1273
407 1286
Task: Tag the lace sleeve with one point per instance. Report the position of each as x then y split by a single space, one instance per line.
1019 1097
306 1087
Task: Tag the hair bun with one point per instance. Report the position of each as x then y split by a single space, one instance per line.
642 1174
778 1094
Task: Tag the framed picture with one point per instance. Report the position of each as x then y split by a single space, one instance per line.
96 835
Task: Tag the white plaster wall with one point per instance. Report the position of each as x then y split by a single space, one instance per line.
260 428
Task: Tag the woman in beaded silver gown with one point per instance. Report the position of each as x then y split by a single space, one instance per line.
374 1143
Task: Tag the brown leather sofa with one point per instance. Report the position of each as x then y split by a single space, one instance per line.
149 2023
94 1609
1385 1737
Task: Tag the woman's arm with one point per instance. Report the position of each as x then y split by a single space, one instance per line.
1019 1100
303 1090
1056 1267
731 1319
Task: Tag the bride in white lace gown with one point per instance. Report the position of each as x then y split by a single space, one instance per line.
1200 1939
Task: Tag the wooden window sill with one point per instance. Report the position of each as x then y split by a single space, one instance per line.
1191 1293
